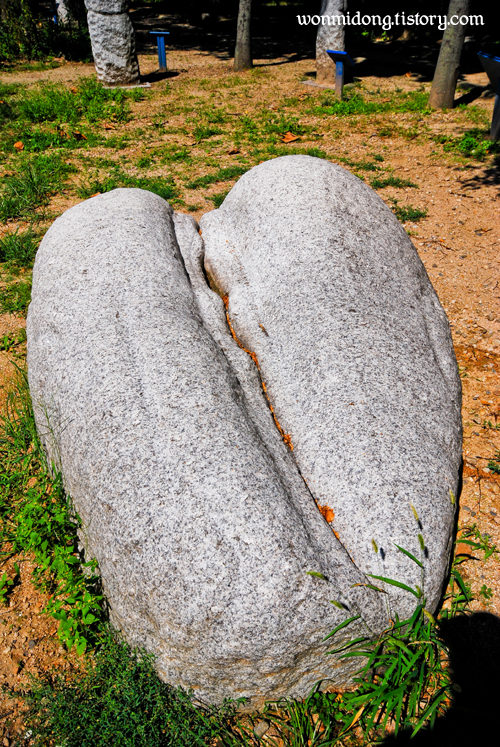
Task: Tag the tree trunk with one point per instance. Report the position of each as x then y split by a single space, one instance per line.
330 36
3 10
243 51
448 65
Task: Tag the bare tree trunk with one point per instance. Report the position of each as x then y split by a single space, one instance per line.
330 36
243 51
448 65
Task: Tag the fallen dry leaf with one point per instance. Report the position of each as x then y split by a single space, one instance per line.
109 126
233 151
73 90
79 135
289 138
19 145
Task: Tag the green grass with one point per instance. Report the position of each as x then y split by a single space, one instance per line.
222 175
14 299
408 212
474 144
392 181
165 188
89 100
355 103
18 249
32 184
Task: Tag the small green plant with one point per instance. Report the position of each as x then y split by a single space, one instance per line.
494 464
7 584
407 212
218 199
9 342
392 181
486 592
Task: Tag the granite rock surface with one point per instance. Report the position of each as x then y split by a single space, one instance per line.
325 287
113 42
329 36
202 524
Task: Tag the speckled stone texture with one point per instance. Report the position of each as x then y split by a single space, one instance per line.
329 37
325 286
113 42
195 509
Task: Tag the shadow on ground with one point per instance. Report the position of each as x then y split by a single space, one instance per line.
474 718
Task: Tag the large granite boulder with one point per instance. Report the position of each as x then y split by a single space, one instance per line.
204 521
113 42
355 350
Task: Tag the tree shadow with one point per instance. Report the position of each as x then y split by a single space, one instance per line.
158 75
474 716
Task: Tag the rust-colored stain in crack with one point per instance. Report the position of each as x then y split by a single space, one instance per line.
285 436
327 513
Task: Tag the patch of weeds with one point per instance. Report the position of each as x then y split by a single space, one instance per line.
174 154
165 188
473 144
32 185
486 593
117 142
474 113
204 131
392 181
36 517
12 341
218 199
285 150
407 212
222 175
8 584
378 157
36 139
494 464
354 103
19 249
15 298
51 102
144 162
120 700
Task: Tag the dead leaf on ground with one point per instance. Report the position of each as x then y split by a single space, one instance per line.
109 126
289 138
74 90
19 145
233 151
79 135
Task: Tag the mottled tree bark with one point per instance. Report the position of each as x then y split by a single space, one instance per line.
330 36
448 65
243 51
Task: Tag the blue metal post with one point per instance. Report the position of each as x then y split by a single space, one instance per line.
339 78
162 55
160 43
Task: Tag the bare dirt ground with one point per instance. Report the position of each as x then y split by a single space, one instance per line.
458 242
